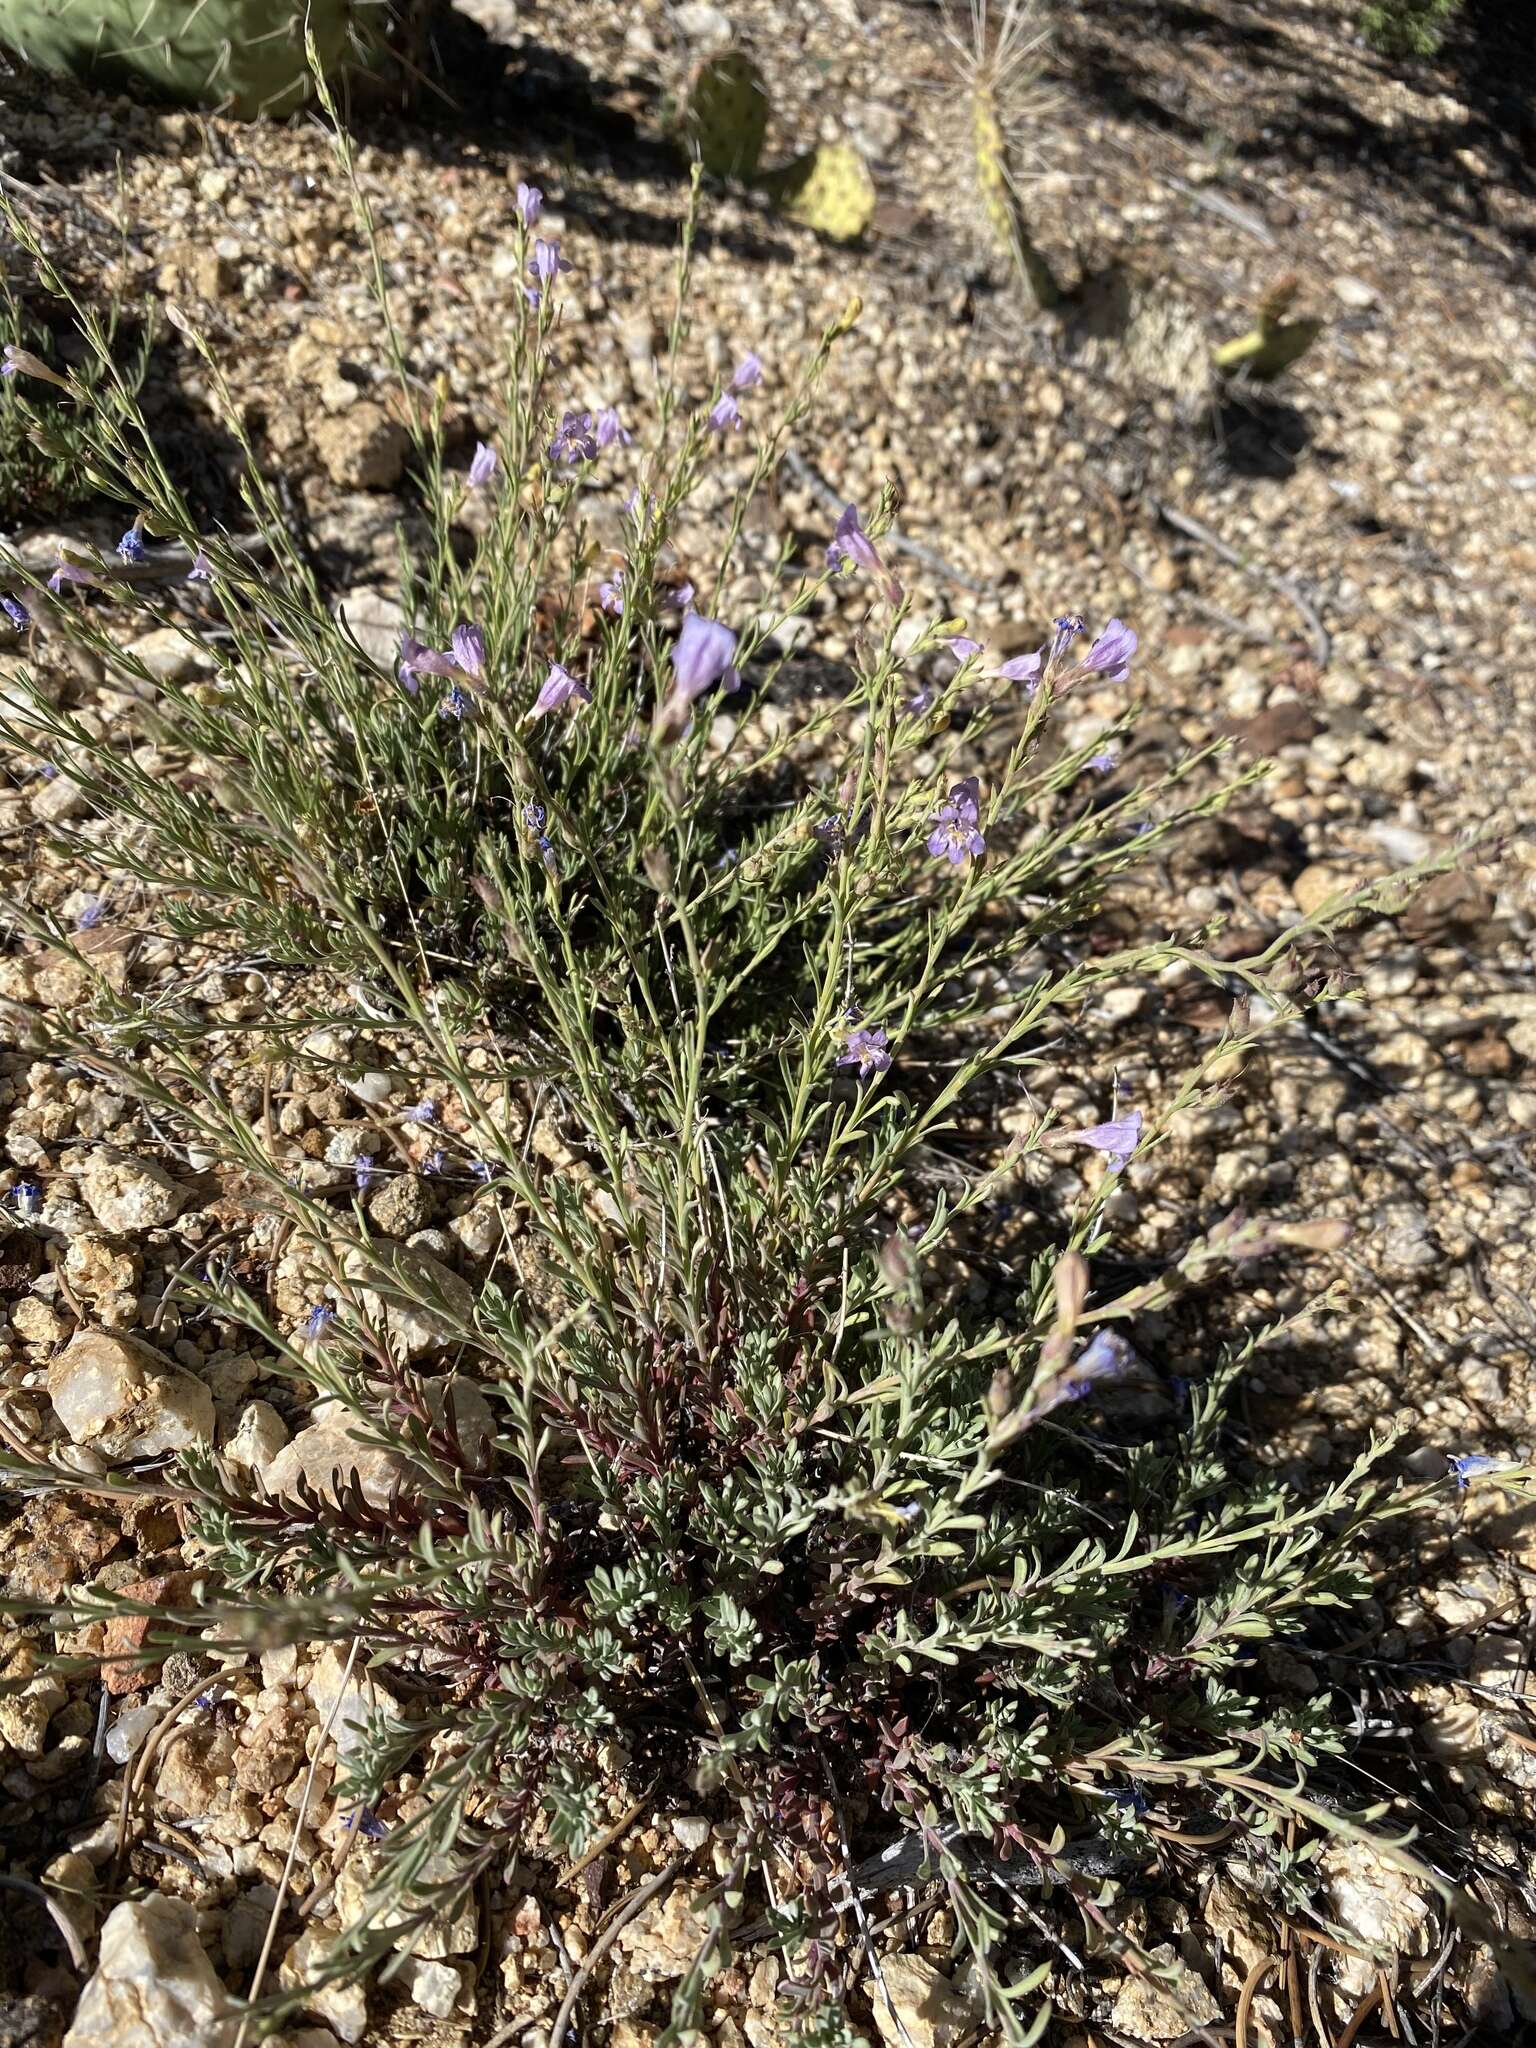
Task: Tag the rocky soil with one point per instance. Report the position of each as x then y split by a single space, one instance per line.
1334 574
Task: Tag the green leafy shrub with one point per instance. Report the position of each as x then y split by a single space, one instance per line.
1408 28
714 1481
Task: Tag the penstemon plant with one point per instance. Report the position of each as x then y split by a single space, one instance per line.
698 1485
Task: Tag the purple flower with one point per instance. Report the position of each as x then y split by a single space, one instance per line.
724 413
362 1172
201 570
131 547
319 1320
418 660
574 440
91 914
921 700
748 371
1104 761
558 688
611 428
457 704
28 1197
1025 669
850 544
482 1170
71 572
702 654
1117 1140
867 1048
483 465
436 1160
955 835
468 645
962 646
535 817
546 265
530 204
421 1113
680 599
367 1823
1110 655
16 612
610 595
1472 1465
20 362
1106 1356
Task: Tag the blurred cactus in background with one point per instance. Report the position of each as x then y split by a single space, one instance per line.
1275 343
725 123
999 58
243 57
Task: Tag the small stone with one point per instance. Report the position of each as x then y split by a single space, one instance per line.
359 1696
127 1195
374 1089
400 1206
126 1735
1355 293
917 2006
153 1986
36 1323
1316 883
691 1829
343 2007
1372 1899
416 1326
58 801
126 1400
258 1437
168 654
664 1942
328 1452
362 449
434 1986
1154 2011
375 622
28 1703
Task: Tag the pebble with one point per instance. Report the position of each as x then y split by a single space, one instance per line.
153 1986
127 1195
123 1399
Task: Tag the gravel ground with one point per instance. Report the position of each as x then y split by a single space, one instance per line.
1330 574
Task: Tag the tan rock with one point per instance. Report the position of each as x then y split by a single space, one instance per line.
153 1985
125 1399
917 2006
362 448
1155 2011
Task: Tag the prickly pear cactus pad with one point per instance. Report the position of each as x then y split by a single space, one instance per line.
726 115
245 57
829 189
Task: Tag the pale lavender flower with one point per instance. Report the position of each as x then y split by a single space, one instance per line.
681 599
1104 762
71 572
421 1113
610 594
92 912
530 204
436 1160
1110 655
483 465
1117 1140
20 362
1472 1465
362 1172
921 700
201 570
850 544
535 817
1106 1356
319 1320
16 612
955 836
131 547
748 371
418 660
611 428
1025 669
558 688
468 643
702 654
867 1048
457 704
962 646
574 440
724 413
546 265
482 1170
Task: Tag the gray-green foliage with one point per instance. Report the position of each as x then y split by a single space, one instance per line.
758 1505
44 450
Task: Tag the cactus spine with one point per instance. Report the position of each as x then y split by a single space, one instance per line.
999 190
